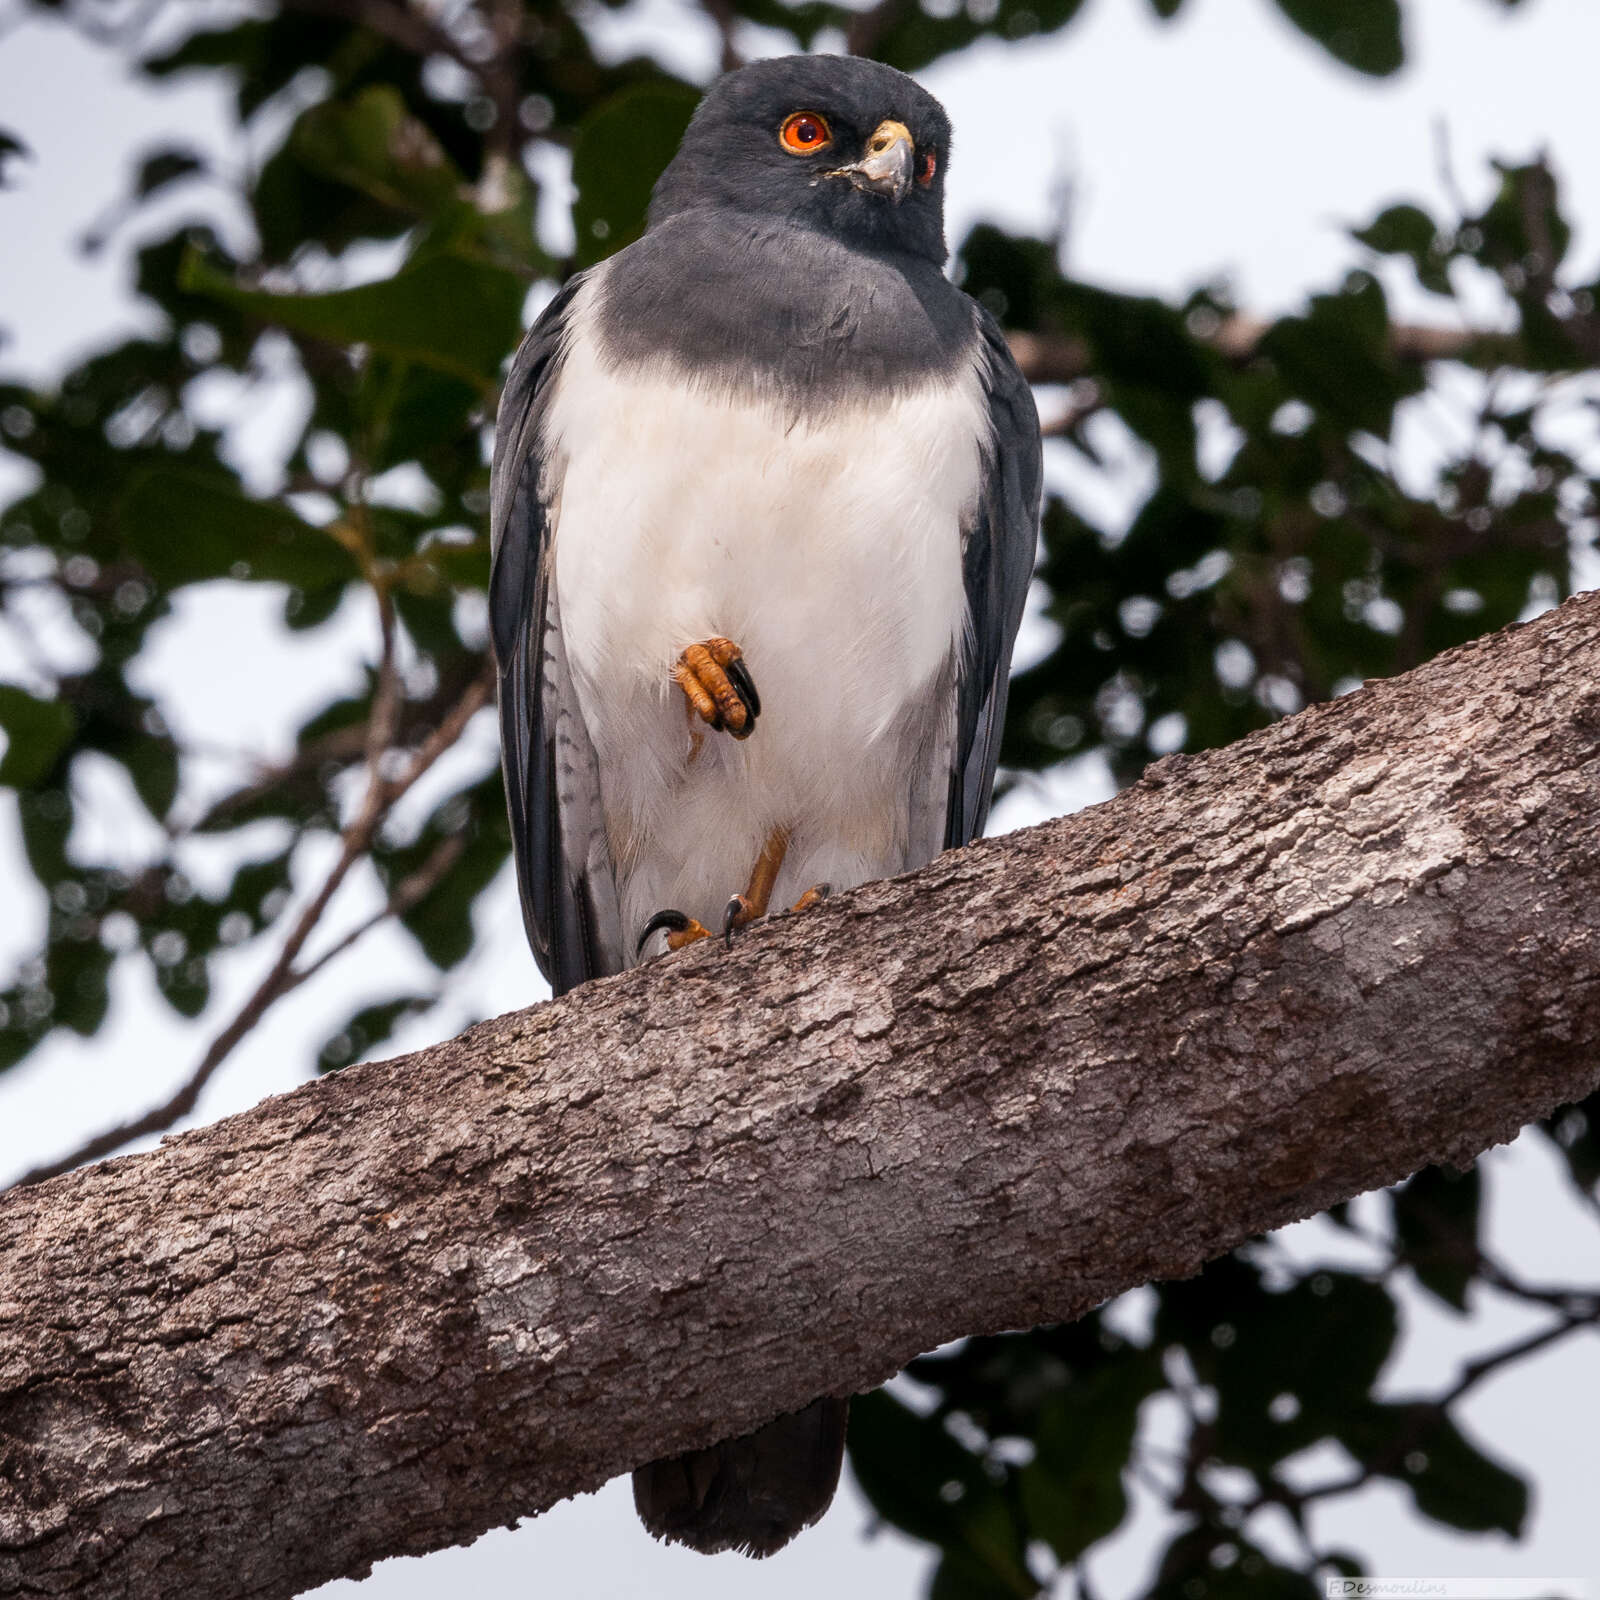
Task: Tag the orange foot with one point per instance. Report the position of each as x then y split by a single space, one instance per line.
681 930
718 686
742 909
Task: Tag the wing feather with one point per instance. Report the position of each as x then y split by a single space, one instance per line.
564 871
997 564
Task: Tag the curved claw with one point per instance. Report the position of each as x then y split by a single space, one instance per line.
672 921
739 677
734 915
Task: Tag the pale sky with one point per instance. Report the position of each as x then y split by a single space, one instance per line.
1222 145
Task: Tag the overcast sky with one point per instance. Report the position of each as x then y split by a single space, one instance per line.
1220 146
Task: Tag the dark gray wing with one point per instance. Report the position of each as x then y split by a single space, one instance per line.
564 869
1001 544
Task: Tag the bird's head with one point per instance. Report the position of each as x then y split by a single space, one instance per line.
848 147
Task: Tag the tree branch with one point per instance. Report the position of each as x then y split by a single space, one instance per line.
425 1297
1062 358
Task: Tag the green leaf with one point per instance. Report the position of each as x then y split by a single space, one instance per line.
264 54
189 524
1436 1222
1320 1343
165 168
1016 278
441 922
623 146
78 974
1206 1563
921 1480
1409 231
36 731
185 987
10 148
1364 34
915 36
47 817
370 1026
1451 1480
909 1467
1398 230
428 412
1137 339
989 1572
455 316
304 609
1072 1490
152 764
1576 1132
1336 357
374 144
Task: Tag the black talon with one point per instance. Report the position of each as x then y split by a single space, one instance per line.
672 921
739 676
729 923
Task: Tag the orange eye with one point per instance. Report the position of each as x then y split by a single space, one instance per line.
926 167
803 133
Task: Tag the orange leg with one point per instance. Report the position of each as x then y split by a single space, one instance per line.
743 909
718 686
752 904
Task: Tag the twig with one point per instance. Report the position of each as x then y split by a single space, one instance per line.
412 29
1077 412
1476 1371
407 893
1382 1463
864 34
340 745
381 795
726 20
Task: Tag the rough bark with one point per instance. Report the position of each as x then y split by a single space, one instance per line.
397 1307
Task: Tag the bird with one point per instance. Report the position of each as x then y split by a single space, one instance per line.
764 512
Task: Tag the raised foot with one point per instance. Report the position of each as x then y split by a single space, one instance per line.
718 686
681 930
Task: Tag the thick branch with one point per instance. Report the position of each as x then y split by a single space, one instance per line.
1061 358
402 1305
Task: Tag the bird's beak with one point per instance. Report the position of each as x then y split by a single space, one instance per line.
886 167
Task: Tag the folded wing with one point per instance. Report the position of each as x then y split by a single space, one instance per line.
564 868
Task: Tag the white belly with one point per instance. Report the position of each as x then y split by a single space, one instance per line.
830 551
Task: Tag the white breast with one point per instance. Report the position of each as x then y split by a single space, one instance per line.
829 548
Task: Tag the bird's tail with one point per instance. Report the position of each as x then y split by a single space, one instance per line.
752 1494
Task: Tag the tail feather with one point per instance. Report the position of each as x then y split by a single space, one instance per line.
752 1494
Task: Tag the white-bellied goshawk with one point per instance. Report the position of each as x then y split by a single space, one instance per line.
765 505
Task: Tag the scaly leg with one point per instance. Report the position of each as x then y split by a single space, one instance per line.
752 904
